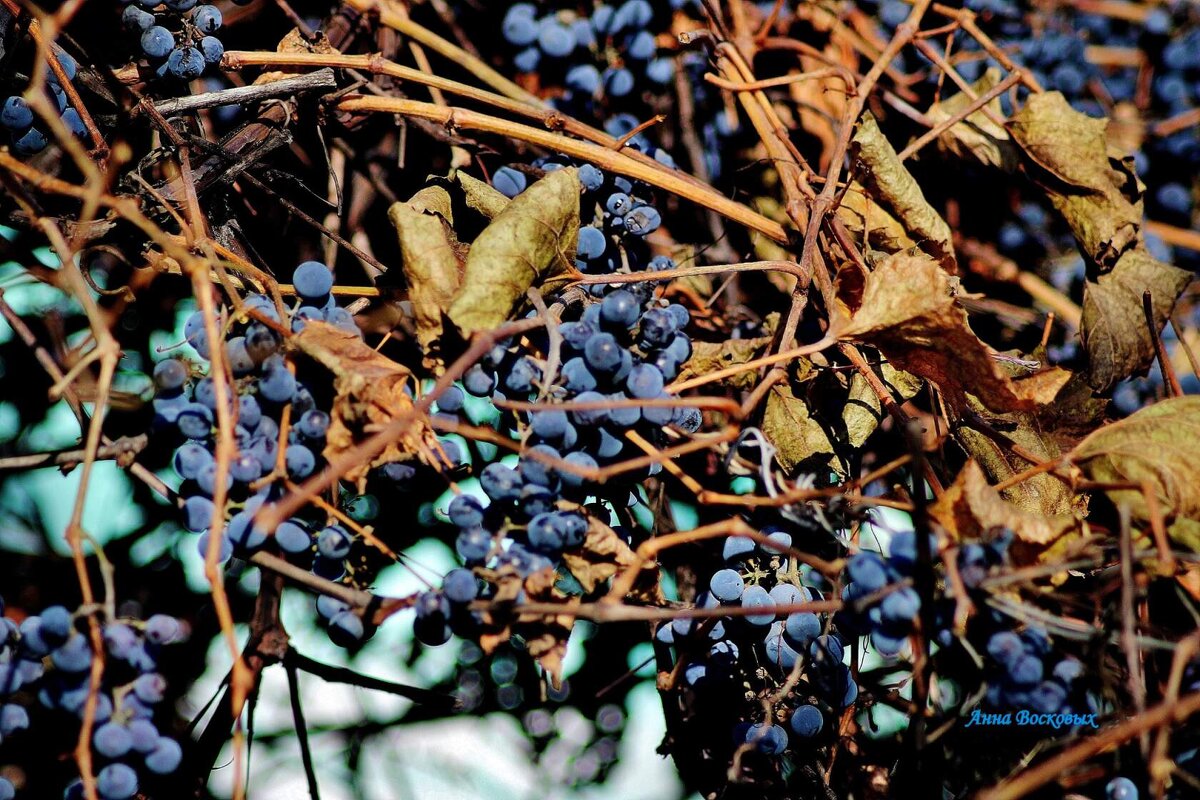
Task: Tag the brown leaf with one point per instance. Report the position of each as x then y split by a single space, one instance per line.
532 241
1069 155
859 213
604 554
886 178
971 506
1114 329
909 314
799 439
976 136
480 196
712 356
431 260
1156 446
1041 387
863 412
370 392
1041 494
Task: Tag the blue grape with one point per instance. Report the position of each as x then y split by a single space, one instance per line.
578 376
157 42
185 62
519 27
582 461
465 511
589 417
16 114
451 400
334 543
460 586
554 38
807 721
500 483
756 597
117 782
479 382
211 49
643 220
473 544
313 424
1121 788
769 739
13 718
277 385
165 758
312 280
619 310
603 353
727 585
207 19
591 244
197 513
74 655
292 537
112 740
645 381
30 142
509 182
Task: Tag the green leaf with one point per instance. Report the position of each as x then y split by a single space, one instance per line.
886 178
799 439
532 241
1114 329
1155 446
976 136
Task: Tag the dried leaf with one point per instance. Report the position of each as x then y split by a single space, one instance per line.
602 556
909 314
859 213
889 181
863 412
531 241
370 392
1042 387
480 196
712 356
1114 329
970 506
1041 494
799 439
1156 446
976 135
1071 162
431 260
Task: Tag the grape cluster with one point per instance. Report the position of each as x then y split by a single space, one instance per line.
609 65
176 37
18 119
265 388
622 347
605 54
49 657
791 660
882 602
